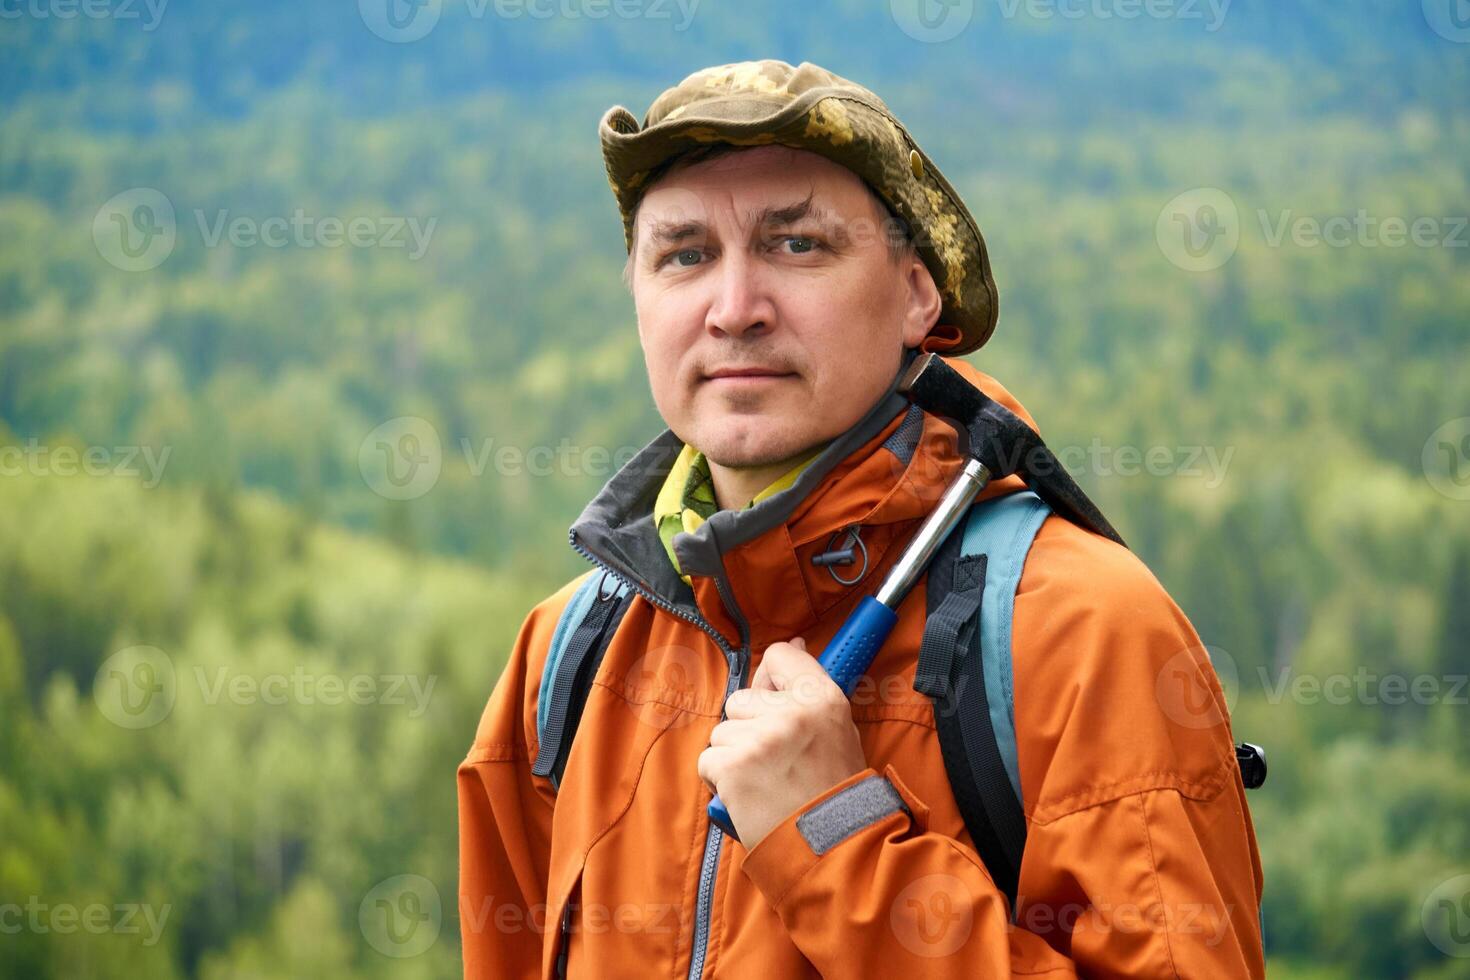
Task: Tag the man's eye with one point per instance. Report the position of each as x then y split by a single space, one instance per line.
686 257
800 244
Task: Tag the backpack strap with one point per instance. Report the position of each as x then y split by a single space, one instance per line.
965 669
583 630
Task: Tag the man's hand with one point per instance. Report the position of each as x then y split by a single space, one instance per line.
784 740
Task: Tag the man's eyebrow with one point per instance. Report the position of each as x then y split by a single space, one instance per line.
661 232
789 214
669 232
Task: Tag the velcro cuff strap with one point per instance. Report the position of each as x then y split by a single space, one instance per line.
838 817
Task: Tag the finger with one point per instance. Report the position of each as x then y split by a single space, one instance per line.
752 702
764 679
712 765
731 733
761 680
786 663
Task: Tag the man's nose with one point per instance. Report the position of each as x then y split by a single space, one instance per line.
742 301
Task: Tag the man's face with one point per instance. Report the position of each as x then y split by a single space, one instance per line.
771 311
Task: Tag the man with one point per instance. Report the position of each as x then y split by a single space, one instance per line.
789 248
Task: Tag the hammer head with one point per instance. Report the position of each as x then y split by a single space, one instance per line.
999 439
940 390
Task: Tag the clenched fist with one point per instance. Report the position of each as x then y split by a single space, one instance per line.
785 739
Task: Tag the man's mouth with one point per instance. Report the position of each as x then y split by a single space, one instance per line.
747 375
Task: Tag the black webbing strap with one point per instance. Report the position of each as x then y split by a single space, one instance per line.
948 625
951 672
568 694
1007 821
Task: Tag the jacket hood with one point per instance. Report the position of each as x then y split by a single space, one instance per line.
882 476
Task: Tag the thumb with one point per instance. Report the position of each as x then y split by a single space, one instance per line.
783 663
760 680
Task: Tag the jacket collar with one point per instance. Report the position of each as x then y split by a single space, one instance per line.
751 570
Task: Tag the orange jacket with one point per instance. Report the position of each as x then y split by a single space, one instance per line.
1140 859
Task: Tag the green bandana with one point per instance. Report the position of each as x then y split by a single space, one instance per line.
687 498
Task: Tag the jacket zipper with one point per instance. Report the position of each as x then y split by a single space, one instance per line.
714 837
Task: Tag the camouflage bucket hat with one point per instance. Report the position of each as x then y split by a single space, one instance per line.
755 103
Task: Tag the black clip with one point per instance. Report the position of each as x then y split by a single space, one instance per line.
845 556
1252 760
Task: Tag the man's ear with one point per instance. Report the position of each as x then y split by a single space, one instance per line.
924 302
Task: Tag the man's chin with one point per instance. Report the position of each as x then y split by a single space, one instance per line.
727 449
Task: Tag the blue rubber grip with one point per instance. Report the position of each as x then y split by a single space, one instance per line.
852 650
846 659
720 817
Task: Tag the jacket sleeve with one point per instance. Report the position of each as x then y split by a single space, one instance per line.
1140 860
505 818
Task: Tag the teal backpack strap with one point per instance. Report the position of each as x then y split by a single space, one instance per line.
1002 530
583 630
965 668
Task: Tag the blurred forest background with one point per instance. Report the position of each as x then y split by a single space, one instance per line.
199 494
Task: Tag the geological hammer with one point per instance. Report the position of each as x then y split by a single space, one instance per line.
940 390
